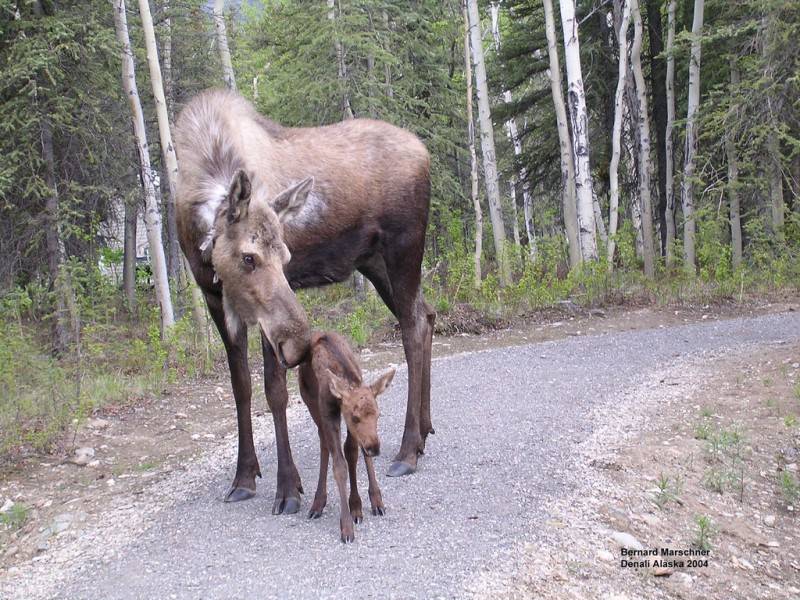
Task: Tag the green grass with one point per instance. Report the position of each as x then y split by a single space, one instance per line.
704 532
790 488
15 517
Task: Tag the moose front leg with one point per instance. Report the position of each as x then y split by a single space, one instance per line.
289 488
244 483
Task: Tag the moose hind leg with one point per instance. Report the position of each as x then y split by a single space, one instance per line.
414 326
425 425
289 488
244 482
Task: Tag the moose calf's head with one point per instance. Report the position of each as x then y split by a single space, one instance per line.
360 408
248 257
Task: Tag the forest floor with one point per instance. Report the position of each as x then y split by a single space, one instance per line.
652 485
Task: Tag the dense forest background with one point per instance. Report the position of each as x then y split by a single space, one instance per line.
652 153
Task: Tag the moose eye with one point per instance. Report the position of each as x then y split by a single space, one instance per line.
356 420
249 260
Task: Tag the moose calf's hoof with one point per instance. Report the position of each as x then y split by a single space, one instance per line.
286 506
399 469
378 511
314 514
348 538
237 494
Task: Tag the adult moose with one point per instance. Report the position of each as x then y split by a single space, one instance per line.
320 202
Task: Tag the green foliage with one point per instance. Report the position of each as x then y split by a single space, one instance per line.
790 488
705 531
15 517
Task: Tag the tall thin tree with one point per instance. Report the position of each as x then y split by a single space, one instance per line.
643 127
687 188
579 119
490 176
616 133
222 45
568 200
473 158
152 214
516 143
669 215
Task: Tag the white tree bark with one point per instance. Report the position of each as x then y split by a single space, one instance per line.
487 144
152 213
669 169
347 110
157 84
564 140
579 119
733 181
513 134
687 189
222 45
616 133
476 203
645 165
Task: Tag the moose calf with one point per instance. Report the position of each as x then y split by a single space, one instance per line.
331 387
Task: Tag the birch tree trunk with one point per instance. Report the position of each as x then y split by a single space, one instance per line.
668 151
564 141
579 120
513 134
152 214
175 265
687 189
733 181
645 166
222 45
347 110
487 144
616 133
476 203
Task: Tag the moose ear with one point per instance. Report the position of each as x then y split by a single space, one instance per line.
238 197
337 385
289 202
381 383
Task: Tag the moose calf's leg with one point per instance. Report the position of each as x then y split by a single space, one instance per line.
334 442
289 488
351 454
375 498
321 496
244 483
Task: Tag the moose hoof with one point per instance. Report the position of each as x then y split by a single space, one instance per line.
348 538
286 506
314 514
399 469
237 494
378 511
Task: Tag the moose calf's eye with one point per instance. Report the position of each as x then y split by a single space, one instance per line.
249 260
356 420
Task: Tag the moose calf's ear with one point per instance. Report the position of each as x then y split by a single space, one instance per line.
381 383
289 202
238 196
336 384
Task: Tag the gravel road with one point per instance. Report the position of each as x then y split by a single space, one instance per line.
507 423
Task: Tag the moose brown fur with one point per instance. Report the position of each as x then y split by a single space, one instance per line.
262 210
332 388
